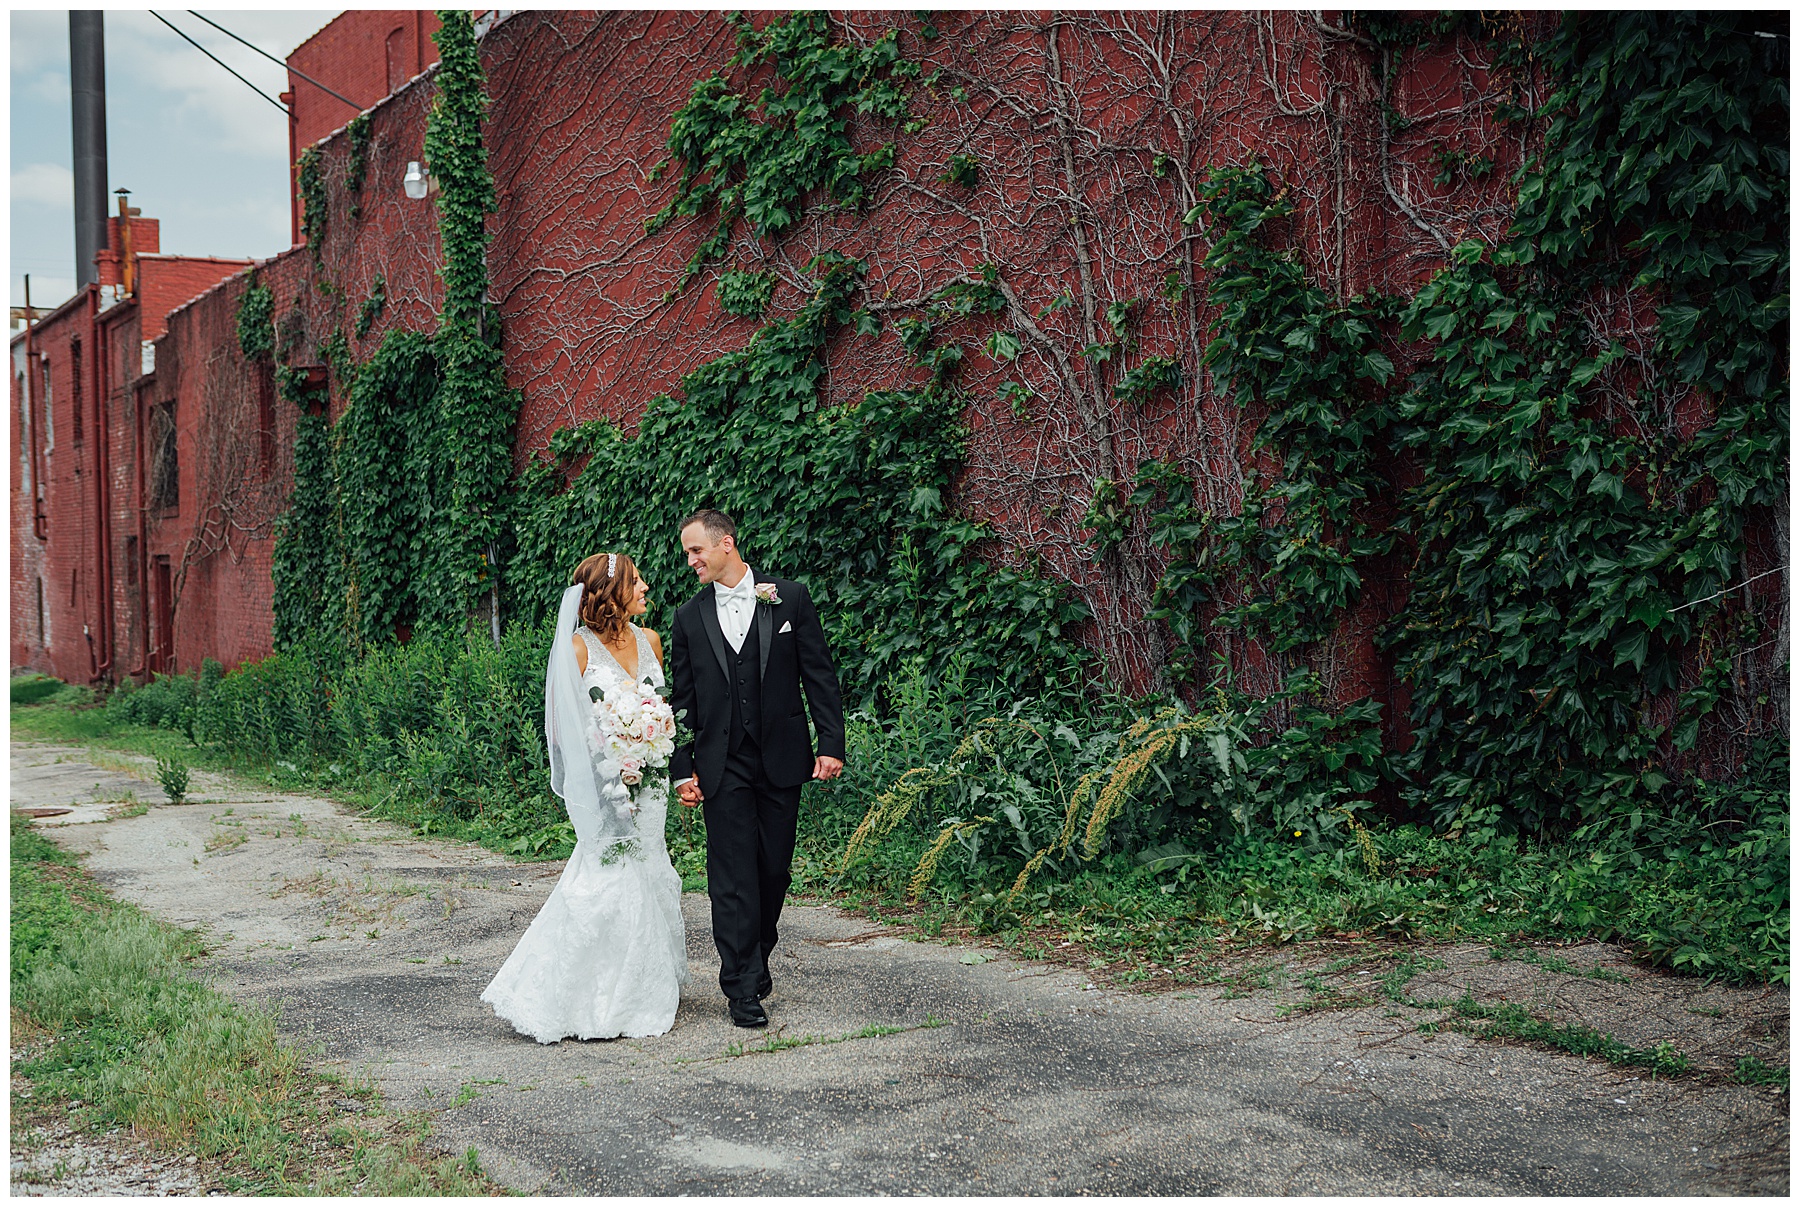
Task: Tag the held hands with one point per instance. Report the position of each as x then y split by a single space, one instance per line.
824 768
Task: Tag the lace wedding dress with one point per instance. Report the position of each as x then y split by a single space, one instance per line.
607 955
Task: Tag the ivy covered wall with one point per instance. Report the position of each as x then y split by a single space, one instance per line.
1394 353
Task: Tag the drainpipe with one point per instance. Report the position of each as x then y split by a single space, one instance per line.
40 522
287 98
103 567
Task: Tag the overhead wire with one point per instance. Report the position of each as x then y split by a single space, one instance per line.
282 62
215 58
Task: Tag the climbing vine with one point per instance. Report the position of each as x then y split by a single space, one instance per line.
315 201
361 130
1559 445
856 498
1578 601
405 498
1574 499
256 320
475 406
759 159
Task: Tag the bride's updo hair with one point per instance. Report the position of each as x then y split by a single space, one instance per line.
606 600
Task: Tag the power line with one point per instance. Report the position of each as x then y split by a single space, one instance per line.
209 54
280 62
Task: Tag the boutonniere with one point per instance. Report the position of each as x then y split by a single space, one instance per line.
765 593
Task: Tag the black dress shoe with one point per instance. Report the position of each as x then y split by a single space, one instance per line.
747 1012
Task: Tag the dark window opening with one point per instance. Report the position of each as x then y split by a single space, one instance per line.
162 618
165 465
75 387
49 411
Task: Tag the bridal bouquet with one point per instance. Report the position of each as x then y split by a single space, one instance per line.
633 726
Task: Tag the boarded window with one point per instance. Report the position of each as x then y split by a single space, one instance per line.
165 465
397 60
162 618
265 417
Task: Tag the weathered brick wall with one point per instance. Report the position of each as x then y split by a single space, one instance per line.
1068 120
363 54
62 563
92 576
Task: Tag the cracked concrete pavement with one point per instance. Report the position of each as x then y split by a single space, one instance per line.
902 1066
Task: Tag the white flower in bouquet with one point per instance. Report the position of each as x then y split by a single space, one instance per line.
634 727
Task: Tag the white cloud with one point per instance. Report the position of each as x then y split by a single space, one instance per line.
43 184
198 149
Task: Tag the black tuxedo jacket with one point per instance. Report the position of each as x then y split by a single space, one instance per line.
793 656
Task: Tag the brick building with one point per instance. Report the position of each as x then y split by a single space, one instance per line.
595 325
1091 135
105 458
361 56
151 461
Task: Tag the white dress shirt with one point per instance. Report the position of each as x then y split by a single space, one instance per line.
737 608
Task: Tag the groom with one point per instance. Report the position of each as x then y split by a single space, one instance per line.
742 651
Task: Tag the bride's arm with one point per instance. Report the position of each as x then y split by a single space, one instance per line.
580 651
655 646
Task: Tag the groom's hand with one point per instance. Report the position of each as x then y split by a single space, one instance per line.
827 768
689 792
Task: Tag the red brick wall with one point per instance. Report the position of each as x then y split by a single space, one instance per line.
166 282
364 54
581 108
90 561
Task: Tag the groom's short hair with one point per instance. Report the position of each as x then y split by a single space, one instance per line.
718 525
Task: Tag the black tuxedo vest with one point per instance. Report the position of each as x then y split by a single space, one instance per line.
746 688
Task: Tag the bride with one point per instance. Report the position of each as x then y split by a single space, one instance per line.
607 954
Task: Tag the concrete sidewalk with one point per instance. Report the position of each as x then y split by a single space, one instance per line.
898 1066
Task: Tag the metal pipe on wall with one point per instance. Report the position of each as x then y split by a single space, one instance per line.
100 360
87 107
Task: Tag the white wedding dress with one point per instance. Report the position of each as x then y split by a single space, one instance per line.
607 955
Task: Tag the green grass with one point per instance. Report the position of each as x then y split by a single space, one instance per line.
1751 1071
1706 913
781 1043
1508 1020
1701 897
40 689
118 1030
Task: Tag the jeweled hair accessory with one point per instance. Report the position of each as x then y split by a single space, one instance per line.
612 564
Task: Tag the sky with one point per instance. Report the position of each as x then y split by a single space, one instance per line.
198 150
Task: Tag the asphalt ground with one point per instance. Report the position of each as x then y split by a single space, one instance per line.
901 1065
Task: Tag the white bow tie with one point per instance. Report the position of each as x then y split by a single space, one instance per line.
745 590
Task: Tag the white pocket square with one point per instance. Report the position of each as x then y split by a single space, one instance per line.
787 626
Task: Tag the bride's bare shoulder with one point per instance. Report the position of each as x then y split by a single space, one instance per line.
581 651
655 641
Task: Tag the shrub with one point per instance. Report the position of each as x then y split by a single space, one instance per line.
166 702
35 689
173 776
